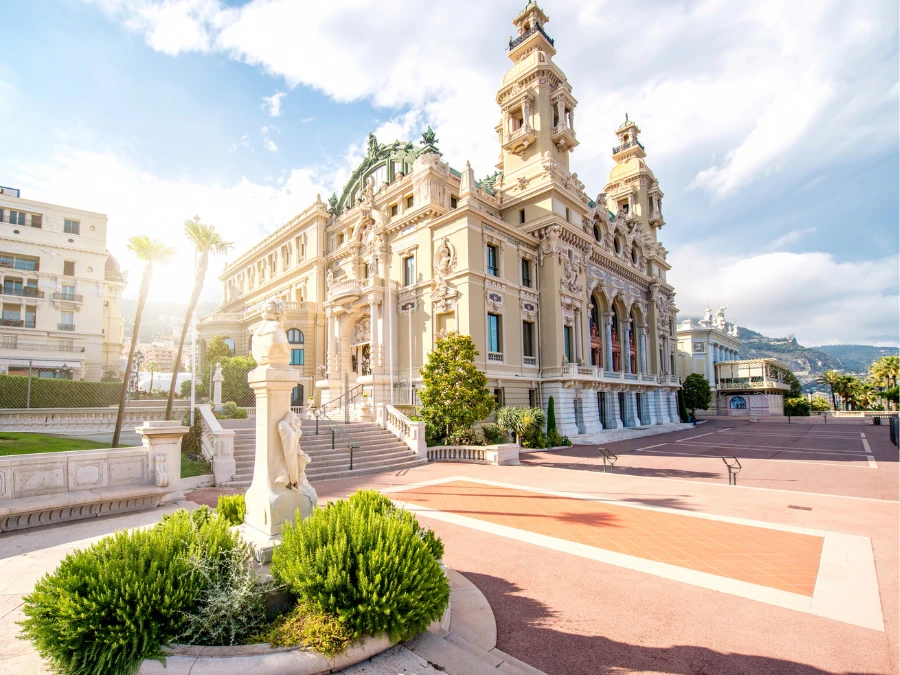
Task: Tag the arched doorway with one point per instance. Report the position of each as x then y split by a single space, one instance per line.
361 349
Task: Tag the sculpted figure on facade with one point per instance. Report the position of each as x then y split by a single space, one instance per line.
720 317
270 344
444 258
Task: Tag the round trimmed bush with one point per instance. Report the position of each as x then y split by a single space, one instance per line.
366 562
111 605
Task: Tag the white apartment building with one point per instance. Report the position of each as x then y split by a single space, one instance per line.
60 291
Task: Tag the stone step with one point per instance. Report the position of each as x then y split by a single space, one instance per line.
244 480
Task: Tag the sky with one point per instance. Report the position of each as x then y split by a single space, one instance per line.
771 126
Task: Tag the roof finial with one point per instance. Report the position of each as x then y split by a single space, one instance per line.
626 117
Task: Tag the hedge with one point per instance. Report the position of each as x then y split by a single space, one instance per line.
50 393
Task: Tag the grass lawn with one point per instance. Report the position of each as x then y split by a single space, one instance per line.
194 466
23 444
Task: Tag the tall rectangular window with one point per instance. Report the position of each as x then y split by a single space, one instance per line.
410 201
532 398
66 318
69 268
521 216
567 214
527 338
296 357
526 273
409 270
495 343
453 202
395 210
71 226
567 342
493 267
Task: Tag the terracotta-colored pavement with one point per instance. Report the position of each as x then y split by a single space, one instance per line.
786 561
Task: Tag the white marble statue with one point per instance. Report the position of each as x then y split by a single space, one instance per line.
217 385
270 343
720 317
295 460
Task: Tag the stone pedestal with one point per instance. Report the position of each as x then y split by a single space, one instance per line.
163 442
270 504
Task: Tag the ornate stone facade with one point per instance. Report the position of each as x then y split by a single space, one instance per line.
564 295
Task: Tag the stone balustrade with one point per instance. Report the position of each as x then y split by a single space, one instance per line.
410 432
43 488
217 445
506 454
76 419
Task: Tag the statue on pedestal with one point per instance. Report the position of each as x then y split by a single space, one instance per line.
217 387
270 343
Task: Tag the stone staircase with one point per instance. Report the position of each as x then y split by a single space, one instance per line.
379 450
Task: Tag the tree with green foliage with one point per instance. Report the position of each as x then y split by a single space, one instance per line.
454 392
819 404
796 407
217 350
829 379
796 388
697 393
151 251
682 409
845 387
551 415
205 240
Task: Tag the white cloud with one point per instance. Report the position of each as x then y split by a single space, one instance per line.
791 238
270 146
814 296
307 120
269 127
244 142
272 104
138 202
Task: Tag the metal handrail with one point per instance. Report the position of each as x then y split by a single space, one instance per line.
350 395
345 438
734 468
608 457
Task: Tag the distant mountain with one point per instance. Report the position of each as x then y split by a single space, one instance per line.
857 357
807 363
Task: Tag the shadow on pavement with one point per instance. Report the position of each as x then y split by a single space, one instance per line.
525 630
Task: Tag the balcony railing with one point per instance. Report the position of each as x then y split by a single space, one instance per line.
529 360
14 323
495 356
27 265
23 292
68 297
527 34
40 347
66 326
625 146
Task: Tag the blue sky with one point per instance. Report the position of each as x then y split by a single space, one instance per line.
773 128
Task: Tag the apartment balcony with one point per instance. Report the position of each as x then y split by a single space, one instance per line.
13 323
41 347
517 141
497 357
65 326
23 292
68 297
563 134
745 384
656 219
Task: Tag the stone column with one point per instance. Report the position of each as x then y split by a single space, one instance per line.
163 442
607 337
626 347
579 342
643 349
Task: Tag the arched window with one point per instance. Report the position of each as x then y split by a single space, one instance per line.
616 347
297 396
597 233
295 337
228 341
737 403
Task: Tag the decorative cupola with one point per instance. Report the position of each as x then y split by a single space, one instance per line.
629 145
531 34
537 108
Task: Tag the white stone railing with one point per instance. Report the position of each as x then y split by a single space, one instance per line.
410 432
217 445
75 419
43 488
251 410
505 454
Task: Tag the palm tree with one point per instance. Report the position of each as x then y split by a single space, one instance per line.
150 251
829 379
846 387
206 240
152 367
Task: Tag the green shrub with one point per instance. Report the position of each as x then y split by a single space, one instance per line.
232 508
51 393
232 604
556 439
115 603
365 563
465 437
310 627
797 407
508 418
231 411
493 434
374 501
536 441
551 415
